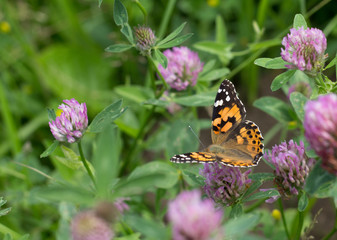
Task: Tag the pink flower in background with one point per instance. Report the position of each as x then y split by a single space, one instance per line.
320 125
87 226
70 125
183 68
171 107
193 218
224 184
301 87
304 49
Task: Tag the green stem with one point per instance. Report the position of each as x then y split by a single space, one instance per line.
243 64
165 86
182 182
334 230
303 7
142 9
300 221
283 218
254 205
167 15
135 142
85 162
316 8
148 115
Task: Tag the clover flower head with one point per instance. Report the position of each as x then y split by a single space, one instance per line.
193 218
145 39
304 49
121 205
291 167
301 87
320 124
171 107
224 184
111 212
71 124
183 68
87 226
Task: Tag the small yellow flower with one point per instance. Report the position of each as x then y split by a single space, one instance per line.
276 214
292 124
58 112
5 27
213 3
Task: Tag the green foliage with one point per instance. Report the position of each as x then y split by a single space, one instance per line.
299 21
50 149
241 225
271 63
263 195
172 35
120 13
197 100
169 175
106 117
118 48
161 58
274 107
319 181
298 100
281 79
4 211
303 202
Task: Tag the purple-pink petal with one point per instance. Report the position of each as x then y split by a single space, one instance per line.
291 166
193 218
87 226
320 124
72 123
183 68
224 184
304 49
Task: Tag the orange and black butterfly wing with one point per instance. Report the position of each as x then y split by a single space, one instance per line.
194 157
243 147
228 112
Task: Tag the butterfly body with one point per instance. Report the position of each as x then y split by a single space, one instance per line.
236 142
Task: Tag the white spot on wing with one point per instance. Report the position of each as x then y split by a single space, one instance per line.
218 103
228 98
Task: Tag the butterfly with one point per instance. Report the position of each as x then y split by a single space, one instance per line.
236 142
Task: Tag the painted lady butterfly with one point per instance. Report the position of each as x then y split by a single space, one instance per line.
236 141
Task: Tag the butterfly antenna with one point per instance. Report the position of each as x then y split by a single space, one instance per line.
203 145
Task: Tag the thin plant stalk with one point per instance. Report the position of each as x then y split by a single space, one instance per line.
142 9
85 162
165 85
148 115
139 136
334 230
166 18
283 218
255 205
300 221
